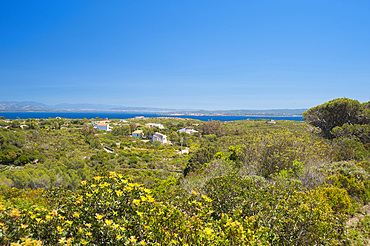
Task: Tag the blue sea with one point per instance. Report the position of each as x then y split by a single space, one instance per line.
121 115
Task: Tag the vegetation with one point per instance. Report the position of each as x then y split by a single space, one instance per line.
63 182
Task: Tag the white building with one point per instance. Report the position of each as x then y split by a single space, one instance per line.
159 137
153 125
188 130
138 133
102 126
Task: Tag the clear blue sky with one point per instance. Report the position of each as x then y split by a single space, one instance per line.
209 54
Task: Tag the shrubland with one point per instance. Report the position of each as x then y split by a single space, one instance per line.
243 183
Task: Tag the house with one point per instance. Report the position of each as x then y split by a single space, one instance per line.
271 122
188 130
23 126
153 125
138 133
159 137
101 126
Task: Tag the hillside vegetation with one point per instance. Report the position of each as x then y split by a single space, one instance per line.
250 182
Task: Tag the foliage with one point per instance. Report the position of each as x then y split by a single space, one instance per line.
292 216
111 210
245 183
334 113
351 177
349 149
198 158
356 132
213 127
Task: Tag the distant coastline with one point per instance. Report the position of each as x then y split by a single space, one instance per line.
36 107
128 115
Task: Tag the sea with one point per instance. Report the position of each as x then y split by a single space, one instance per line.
123 115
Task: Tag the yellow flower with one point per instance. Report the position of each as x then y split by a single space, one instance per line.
62 240
59 229
15 212
98 216
54 212
108 222
208 230
39 220
48 217
88 225
83 182
76 214
119 192
118 237
89 195
142 243
136 202
105 184
143 198
69 222
83 241
132 239
88 233
139 213
193 192
206 198
98 178
150 198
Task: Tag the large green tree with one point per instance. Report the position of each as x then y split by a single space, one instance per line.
334 113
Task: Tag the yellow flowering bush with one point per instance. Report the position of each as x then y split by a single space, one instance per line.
111 210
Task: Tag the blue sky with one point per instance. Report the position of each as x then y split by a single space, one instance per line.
245 54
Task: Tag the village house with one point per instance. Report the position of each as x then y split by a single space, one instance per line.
188 130
159 137
138 134
271 122
101 126
153 125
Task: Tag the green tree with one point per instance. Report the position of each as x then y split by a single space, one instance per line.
201 156
213 127
361 132
334 113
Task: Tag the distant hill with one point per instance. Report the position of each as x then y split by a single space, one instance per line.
35 106
23 106
250 112
8 106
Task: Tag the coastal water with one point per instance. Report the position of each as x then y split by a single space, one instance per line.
122 115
